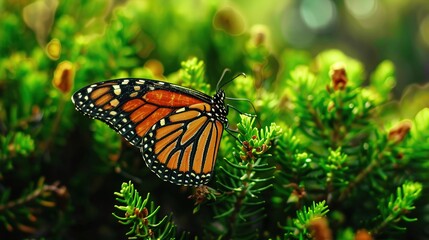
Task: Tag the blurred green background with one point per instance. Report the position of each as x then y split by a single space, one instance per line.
217 31
90 41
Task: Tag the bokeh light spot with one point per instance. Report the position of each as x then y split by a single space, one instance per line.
230 20
294 30
424 30
361 8
317 14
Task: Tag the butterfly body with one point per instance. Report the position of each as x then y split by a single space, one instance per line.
178 130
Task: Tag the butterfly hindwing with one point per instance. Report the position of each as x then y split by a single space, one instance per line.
182 147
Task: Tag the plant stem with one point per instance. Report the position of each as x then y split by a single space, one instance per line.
361 176
345 193
240 199
382 225
31 196
55 124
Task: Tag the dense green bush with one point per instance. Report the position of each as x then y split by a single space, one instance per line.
330 155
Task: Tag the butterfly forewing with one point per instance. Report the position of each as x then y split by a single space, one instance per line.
177 129
132 106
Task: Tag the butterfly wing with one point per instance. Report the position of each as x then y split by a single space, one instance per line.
173 126
182 147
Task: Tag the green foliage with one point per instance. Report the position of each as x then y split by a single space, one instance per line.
22 213
14 145
242 179
298 228
329 114
142 215
107 144
192 75
341 152
395 208
382 81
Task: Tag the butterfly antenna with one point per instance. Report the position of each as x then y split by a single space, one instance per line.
221 78
240 112
219 86
246 114
231 131
246 100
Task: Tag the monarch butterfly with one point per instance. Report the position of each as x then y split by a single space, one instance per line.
177 129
